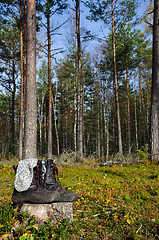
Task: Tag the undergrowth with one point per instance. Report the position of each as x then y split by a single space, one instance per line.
117 202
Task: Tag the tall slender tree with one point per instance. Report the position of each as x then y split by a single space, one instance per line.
30 141
80 85
99 10
21 87
154 147
49 82
116 84
42 95
9 53
50 8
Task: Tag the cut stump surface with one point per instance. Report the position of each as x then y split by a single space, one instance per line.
55 211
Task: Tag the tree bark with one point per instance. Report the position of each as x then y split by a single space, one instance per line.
154 121
30 145
80 87
62 118
25 64
55 120
140 86
21 88
116 84
143 106
13 106
45 119
136 125
98 129
101 116
49 83
75 98
128 105
41 114
106 111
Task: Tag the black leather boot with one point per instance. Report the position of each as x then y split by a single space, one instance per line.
36 192
52 184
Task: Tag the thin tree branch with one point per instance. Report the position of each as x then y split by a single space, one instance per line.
60 34
5 86
43 24
59 26
57 53
151 25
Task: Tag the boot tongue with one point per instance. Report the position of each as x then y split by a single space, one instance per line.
24 174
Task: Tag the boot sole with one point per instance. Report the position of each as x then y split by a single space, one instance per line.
35 197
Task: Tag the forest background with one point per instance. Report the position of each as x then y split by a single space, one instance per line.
101 110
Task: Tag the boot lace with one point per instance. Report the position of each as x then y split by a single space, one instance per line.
37 176
55 174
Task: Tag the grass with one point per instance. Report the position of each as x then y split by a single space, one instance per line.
118 202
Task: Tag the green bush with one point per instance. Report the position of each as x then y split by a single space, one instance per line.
142 155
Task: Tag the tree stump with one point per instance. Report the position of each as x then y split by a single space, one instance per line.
55 211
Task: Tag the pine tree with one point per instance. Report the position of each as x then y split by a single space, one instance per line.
9 54
49 8
80 86
100 10
30 141
154 147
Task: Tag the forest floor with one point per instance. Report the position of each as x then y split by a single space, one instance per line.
116 202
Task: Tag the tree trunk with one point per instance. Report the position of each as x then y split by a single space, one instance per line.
154 121
75 113
80 87
41 114
106 127
75 99
25 64
101 116
45 119
49 82
106 111
116 84
140 86
13 106
21 89
136 125
143 107
10 113
30 144
62 118
128 105
114 113
56 128
98 131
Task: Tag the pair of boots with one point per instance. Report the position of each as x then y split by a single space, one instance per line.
44 189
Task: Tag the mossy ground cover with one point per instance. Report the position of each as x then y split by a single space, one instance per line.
118 202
